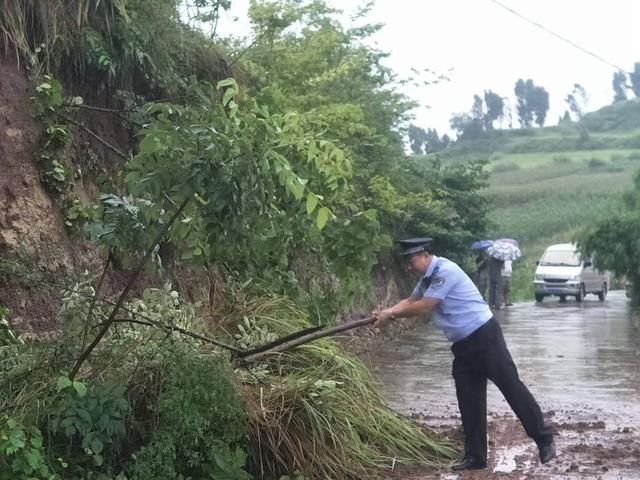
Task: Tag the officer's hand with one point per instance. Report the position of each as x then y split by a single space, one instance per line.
382 317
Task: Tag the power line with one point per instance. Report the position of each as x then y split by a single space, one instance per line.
560 37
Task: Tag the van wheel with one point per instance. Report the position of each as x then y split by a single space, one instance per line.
603 293
539 297
580 296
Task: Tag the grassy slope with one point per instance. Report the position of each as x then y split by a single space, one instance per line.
548 183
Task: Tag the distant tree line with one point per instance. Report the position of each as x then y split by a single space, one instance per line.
623 82
424 141
531 109
532 105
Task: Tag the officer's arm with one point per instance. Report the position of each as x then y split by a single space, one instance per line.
414 306
409 307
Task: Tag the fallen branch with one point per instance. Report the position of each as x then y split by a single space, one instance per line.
94 135
102 109
300 338
172 328
95 298
85 354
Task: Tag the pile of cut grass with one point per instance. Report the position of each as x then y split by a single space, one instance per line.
316 410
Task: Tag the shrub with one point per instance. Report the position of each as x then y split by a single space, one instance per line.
596 163
21 451
198 421
561 160
89 421
505 167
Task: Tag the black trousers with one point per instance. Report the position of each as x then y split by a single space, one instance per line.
484 355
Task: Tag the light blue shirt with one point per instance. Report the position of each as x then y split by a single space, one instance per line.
461 310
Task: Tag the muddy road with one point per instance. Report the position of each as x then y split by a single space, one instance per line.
581 362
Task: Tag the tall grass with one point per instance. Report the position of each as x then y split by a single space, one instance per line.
138 46
42 31
316 410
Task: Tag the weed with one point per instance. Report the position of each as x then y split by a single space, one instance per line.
22 455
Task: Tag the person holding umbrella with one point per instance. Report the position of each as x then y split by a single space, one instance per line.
502 250
478 345
482 265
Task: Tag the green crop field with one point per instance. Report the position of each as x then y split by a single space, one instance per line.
546 187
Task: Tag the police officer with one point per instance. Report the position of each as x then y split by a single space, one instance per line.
479 350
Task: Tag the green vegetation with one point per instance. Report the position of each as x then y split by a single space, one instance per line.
548 184
155 402
326 420
614 240
291 150
48 97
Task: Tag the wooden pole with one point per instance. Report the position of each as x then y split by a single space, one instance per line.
282 344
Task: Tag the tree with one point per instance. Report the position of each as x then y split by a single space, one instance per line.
564 119
533 103
614 242
477 109
470 125
507 113
539 101
494 106
428 141
577 101
619 86
635 79
467 126
417 138
434 143
308 64
525 116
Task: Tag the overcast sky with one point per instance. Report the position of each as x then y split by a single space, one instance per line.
487 47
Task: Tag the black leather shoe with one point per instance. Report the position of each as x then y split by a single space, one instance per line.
469 463
547 452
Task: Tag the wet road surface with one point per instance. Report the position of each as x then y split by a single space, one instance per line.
580 361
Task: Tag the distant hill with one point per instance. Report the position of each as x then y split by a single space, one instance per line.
622 116
549 183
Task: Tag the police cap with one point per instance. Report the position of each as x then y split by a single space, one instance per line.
410 246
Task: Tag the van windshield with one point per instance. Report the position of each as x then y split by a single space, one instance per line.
560 258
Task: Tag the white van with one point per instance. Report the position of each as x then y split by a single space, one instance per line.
562 272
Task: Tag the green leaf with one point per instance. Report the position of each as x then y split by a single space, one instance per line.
371 214
150 144
227 82
96 445
83 414
80 388
33 458
63 382
312 202
228 95
296 187
132 177
313 150
323 216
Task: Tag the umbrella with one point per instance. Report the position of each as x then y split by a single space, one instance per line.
504 250
481 244
509 240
